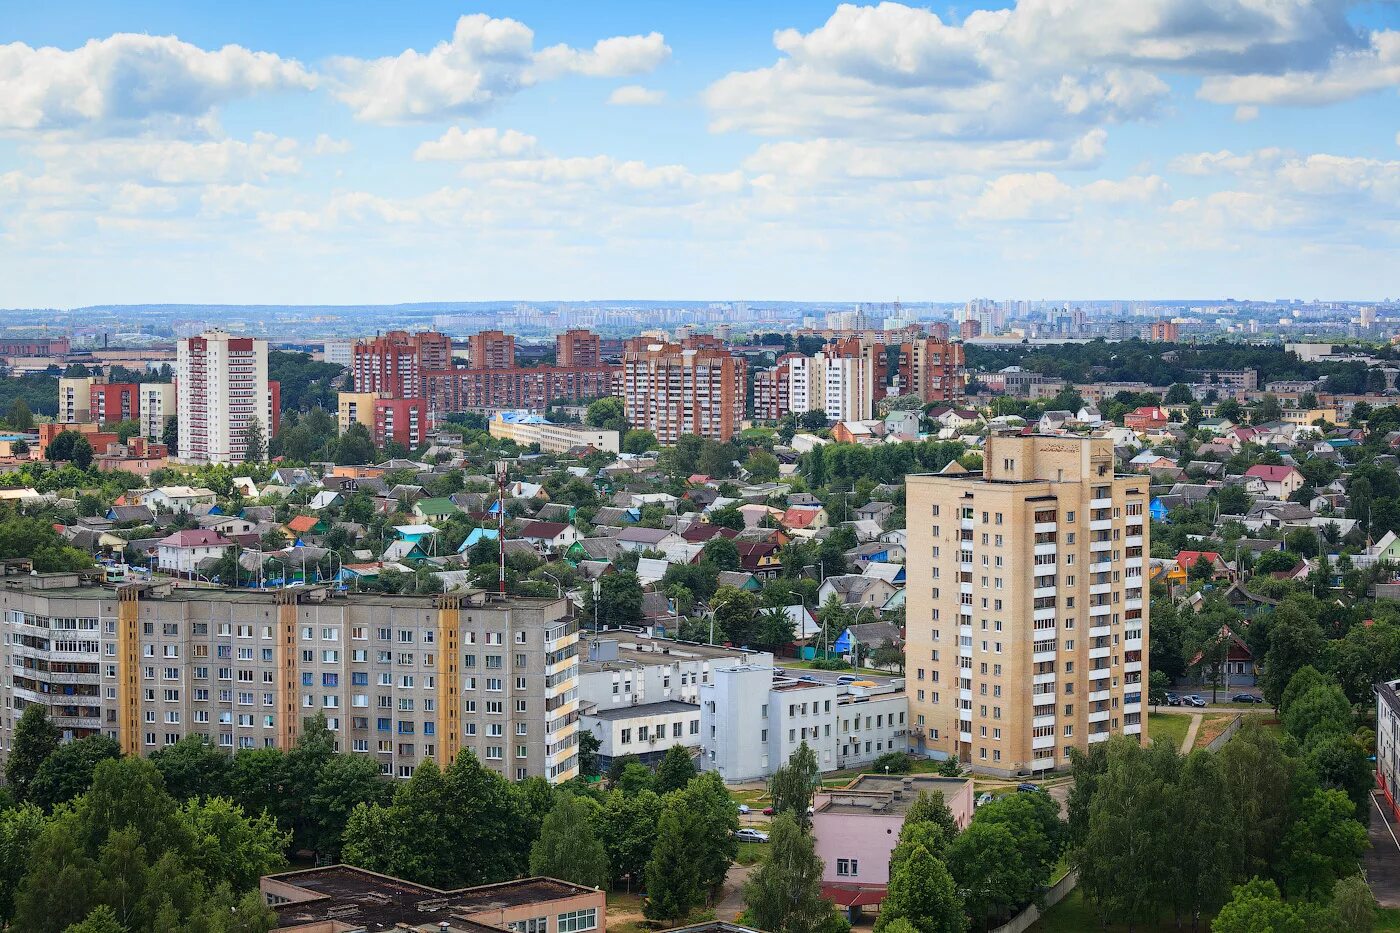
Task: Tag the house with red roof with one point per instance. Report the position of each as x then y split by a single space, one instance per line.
1186 562
1146 418
182 552
805 520
1280 482
550 537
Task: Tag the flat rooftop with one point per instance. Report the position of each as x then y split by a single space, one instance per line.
887 795
378 902
639 651
659 708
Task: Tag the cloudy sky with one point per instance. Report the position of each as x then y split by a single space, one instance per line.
346 152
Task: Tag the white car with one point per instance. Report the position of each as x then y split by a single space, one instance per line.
744 809
751 835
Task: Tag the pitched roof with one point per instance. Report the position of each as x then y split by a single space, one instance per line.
1270 474
546 531
303 523
644 535
800 517
195 537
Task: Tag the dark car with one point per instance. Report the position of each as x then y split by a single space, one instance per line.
1246 698
1194 700
1028 788
1173 699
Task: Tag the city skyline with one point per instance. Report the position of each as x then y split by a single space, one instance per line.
156 154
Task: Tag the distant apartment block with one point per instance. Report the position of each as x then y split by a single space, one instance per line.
34 346
525 429
222 389
156 402
393 364
339 352
356 408
1163 331
404 421
578 349
1239 380
400 679
693 387
535 387
1026 599
110 402
491 349
75 398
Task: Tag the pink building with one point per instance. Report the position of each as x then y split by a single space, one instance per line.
857 828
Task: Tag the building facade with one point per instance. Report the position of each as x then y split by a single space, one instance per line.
222 390
693 387
578 349
1009 670
535 387
526 429
75 399
356 408
1388 742
156 402
393 364
404 421
491 349
399 678
110 402
753 717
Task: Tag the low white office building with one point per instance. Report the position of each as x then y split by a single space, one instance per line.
753 717
647 731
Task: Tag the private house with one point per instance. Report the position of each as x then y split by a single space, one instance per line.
435 509
550 537
804 520
636 538
856 590
763 559
1280 482
1186 562
183 551
178 498
1146 418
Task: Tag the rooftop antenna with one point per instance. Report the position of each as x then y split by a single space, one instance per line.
501 520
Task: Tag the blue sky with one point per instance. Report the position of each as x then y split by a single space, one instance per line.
368 153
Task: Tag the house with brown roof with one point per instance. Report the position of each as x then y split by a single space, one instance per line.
549 537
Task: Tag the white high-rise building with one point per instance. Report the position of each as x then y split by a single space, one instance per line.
223 387
841 386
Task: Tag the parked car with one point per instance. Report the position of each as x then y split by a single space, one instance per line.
808 678
1028 788
1246 698
847 679
1173 699
767 811
744 808
1194 700
985 798
751 835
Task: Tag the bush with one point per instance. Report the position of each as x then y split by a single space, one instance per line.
830 664
891 763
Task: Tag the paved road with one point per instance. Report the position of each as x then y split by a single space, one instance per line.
1382 860
830 677
731 901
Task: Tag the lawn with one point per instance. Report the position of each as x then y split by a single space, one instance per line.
1387 918
1168 727
751 853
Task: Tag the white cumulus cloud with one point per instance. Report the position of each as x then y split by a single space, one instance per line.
129 80
480 142
634 95
486 60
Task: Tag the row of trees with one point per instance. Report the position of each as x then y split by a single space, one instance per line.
1153 833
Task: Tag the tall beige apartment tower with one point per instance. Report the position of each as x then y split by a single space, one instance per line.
1027 611
222 387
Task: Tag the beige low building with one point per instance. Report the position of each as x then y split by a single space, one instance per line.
357 408
1027 604
526 429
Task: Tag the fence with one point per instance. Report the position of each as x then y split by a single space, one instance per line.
1031 914
1219 741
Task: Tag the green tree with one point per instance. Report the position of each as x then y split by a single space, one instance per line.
727 517
20 417
355 446
619 600
1354 904
1295 639
67 773
1257 907
792 785
170 434
227 844
1199 881
1261 781
35 739
922 893
608 414
709 811
722 552
635 778
675 771
1324 708
639 442
19 828
785 891
627 825
254 441
1324 844
103 919
674 888
567 848
990 872
193 767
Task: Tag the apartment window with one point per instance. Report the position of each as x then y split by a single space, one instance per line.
847 867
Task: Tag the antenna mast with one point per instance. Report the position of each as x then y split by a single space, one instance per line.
501 520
